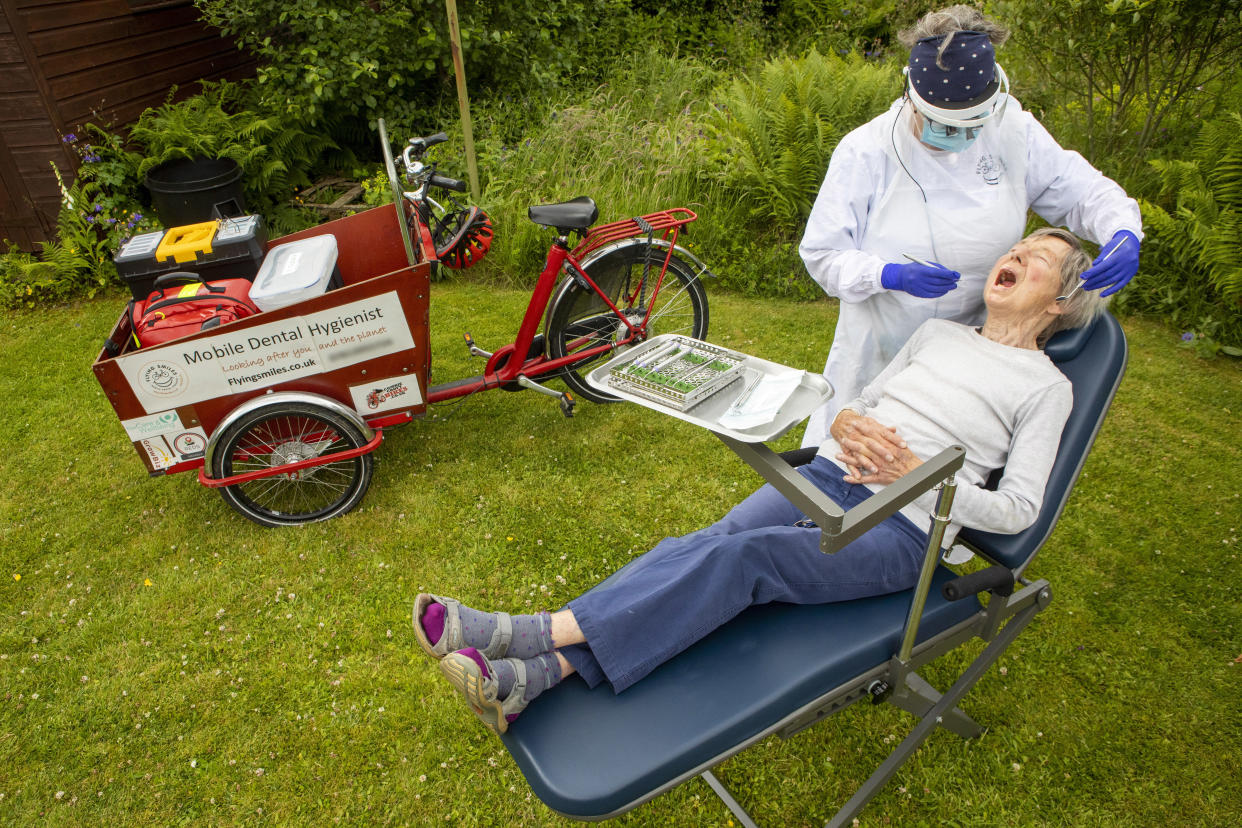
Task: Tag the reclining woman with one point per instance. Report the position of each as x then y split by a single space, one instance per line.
990 389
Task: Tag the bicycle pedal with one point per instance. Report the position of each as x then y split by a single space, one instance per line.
567 405
475 350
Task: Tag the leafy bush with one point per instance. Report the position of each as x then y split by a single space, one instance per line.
108 189
739 33
1192 273
867 27
723 33
323 61
109 177
774 134
77 263
1120 77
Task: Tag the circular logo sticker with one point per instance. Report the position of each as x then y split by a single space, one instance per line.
189 443
163 379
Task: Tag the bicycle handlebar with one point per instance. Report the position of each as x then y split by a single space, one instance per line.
423 174
421 145
447 183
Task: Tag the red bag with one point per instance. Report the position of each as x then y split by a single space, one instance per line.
172 312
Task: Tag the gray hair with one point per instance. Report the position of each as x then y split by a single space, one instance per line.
948 22
1084 306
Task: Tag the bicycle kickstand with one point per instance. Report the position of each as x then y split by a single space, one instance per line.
567 402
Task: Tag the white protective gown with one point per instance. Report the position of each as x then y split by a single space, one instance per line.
887 194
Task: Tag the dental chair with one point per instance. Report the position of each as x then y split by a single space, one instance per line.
592 754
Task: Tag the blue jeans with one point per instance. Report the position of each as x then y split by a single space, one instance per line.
686 587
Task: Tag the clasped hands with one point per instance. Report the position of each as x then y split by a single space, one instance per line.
871 451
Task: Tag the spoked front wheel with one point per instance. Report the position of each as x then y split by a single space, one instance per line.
578 318
284 433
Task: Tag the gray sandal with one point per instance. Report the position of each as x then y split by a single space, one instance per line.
479 691
452 640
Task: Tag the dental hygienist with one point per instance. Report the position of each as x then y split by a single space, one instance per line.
919 202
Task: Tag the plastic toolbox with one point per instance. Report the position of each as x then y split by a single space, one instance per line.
219 249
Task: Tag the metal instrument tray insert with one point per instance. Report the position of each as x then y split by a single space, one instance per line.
732 386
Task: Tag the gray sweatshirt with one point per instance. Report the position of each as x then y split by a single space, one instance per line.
1006 406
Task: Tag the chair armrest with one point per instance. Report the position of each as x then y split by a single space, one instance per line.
837 526
801 492
891 498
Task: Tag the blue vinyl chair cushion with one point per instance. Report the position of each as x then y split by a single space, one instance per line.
589 753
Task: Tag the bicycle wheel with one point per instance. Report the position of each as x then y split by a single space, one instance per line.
578 319
287 432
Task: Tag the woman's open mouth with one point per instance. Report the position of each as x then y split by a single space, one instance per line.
1006 278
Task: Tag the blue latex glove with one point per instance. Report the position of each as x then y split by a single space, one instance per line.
924 280
1115 266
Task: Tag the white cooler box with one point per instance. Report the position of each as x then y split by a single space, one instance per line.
296 271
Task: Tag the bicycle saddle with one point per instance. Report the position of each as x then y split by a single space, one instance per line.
578 214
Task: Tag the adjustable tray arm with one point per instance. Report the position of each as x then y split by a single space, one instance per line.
838 526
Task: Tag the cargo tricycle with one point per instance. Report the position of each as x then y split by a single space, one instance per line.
280 411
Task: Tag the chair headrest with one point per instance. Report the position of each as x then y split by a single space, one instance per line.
1063 346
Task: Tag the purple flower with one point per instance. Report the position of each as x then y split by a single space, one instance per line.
70 138
1187 337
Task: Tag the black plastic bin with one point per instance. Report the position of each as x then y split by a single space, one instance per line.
188 191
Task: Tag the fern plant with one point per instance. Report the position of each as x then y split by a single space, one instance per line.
1192 270
774 134
1204 196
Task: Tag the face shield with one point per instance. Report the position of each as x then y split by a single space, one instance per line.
952 120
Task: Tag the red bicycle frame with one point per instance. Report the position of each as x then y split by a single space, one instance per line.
502 368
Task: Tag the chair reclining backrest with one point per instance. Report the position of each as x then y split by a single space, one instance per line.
1094 360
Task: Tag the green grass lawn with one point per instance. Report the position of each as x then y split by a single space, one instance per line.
164 661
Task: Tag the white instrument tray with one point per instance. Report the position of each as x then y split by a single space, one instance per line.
810 393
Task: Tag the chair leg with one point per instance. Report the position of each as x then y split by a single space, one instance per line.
918 697
727 798
932 718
